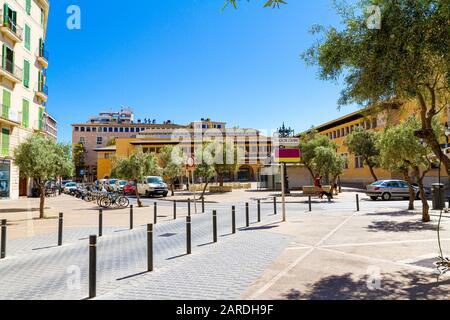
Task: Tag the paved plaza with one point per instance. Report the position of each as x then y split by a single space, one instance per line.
332 252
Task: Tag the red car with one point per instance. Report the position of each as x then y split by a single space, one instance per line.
130 188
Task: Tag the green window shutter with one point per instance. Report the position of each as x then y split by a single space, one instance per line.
5 142
41 47
25 113
28 6
26 73
6 104
5 14
4 56
27 36
42 17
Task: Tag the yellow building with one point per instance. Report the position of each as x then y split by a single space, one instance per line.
356 173
254 148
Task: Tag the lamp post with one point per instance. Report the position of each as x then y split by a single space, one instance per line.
284 132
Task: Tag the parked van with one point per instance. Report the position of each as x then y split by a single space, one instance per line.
153 186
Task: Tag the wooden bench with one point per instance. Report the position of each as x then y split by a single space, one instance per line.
311 190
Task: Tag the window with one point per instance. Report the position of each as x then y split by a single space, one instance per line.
82 129
27 37
99 140
359 162
8 59
26 73
77 129
127 129
5 142
28 6
88 129
110 129
82 140
94 129
9 18
25 113
345 155
132 129
116 129
121 129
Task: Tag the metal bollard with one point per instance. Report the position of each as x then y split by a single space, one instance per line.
175 210
149 247
214 226
309 203
247 216
100 222
3 241
155 213
357 202
92 266
233 219
188 235
203 205
275 205
189 206
131 217
60 229
259 211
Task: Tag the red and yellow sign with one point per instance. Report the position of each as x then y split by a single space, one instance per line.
287 155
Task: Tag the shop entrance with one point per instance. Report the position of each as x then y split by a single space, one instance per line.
5 178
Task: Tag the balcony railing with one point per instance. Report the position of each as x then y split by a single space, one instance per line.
11 26
11 68
44 54
42 88
8 114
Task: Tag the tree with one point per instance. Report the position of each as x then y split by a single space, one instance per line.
224 157
204 169
171 160
309 142
79 159
138 166
364 143
406 59
43 159
400 149
328 163
267 3
111 142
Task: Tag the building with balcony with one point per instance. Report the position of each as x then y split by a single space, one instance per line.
50 126
23 91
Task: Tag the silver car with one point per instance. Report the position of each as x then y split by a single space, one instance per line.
388 189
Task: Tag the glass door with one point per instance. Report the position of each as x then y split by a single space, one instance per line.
5 169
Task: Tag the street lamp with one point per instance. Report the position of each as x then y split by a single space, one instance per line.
285 132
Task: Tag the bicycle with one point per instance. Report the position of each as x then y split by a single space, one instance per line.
113 199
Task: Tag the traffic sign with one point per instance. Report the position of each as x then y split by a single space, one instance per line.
286 142
287 155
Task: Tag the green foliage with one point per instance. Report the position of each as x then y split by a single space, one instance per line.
328 163
79 158
364 143
309 142
43 159
138 166
111 142
172 161
267 4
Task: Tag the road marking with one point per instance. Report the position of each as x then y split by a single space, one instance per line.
297 261
380 243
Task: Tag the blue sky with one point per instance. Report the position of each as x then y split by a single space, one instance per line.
183 60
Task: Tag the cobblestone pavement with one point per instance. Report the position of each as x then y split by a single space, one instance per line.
222 270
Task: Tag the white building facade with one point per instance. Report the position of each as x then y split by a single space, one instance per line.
23 92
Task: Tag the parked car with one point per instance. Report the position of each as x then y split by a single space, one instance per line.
388 189
70 186
109 184
130 188
153 186
118 186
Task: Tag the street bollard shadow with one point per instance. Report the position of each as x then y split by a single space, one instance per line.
132 276
259 228
176 257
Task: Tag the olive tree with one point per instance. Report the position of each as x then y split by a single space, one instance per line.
136 167
42 159
172 162
401 150
363 143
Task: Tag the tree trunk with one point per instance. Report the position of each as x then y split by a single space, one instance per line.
372 172
138 198
221 180
423 197
41 200
412 195
204 190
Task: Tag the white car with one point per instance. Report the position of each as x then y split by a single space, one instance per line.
118 186
70 186
153 186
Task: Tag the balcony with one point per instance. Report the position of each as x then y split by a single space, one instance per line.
42 92
9 117
43 57
10 71
10 29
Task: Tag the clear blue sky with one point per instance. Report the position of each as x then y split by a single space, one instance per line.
183 60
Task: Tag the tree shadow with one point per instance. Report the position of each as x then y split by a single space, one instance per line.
399 285
406 226
393 214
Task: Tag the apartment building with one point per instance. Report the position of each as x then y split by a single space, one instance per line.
23 91
101 131
255 148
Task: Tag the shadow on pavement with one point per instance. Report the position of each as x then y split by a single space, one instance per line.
407 226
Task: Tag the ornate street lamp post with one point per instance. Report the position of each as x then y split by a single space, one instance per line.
285 132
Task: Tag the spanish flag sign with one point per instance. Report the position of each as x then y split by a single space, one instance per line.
287 155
